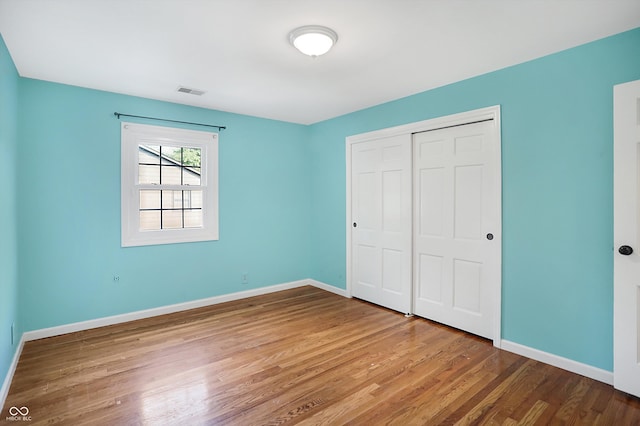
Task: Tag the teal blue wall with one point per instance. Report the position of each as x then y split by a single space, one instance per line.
557 142
8 210
69 200
282 200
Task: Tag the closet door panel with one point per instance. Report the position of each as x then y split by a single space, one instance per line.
456 249
381 214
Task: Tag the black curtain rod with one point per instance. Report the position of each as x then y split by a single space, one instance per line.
118 115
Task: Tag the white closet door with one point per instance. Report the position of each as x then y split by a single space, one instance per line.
381 216
457 235
626 233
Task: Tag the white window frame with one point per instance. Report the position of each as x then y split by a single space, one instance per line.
131 136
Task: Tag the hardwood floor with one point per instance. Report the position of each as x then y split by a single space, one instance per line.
301 356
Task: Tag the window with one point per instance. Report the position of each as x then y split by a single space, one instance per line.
169 185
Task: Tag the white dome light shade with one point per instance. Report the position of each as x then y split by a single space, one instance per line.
313 44
313 40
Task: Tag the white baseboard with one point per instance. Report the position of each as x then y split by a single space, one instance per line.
4 391
169 309
162 310
327 287
560 362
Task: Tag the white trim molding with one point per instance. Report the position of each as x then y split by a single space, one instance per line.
481 114
326 287
558 361
4 391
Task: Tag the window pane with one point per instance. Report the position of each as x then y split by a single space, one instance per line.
148 154
172 199
193 218
195 199
149 174
171 219
171 175
171 155
191 157
191 175
149 220
149 199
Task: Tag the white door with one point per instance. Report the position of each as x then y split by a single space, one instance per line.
381 221
457 226
626 235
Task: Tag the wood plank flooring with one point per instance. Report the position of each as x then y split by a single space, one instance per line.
301 356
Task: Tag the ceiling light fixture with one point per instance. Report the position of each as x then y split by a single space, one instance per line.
313 40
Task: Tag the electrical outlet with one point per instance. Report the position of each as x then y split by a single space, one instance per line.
13 333
244 278
116 279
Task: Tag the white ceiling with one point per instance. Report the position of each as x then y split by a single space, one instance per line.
238 52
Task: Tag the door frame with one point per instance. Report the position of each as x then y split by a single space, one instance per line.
468 117
624 224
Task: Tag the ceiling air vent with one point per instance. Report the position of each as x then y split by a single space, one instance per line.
191 91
